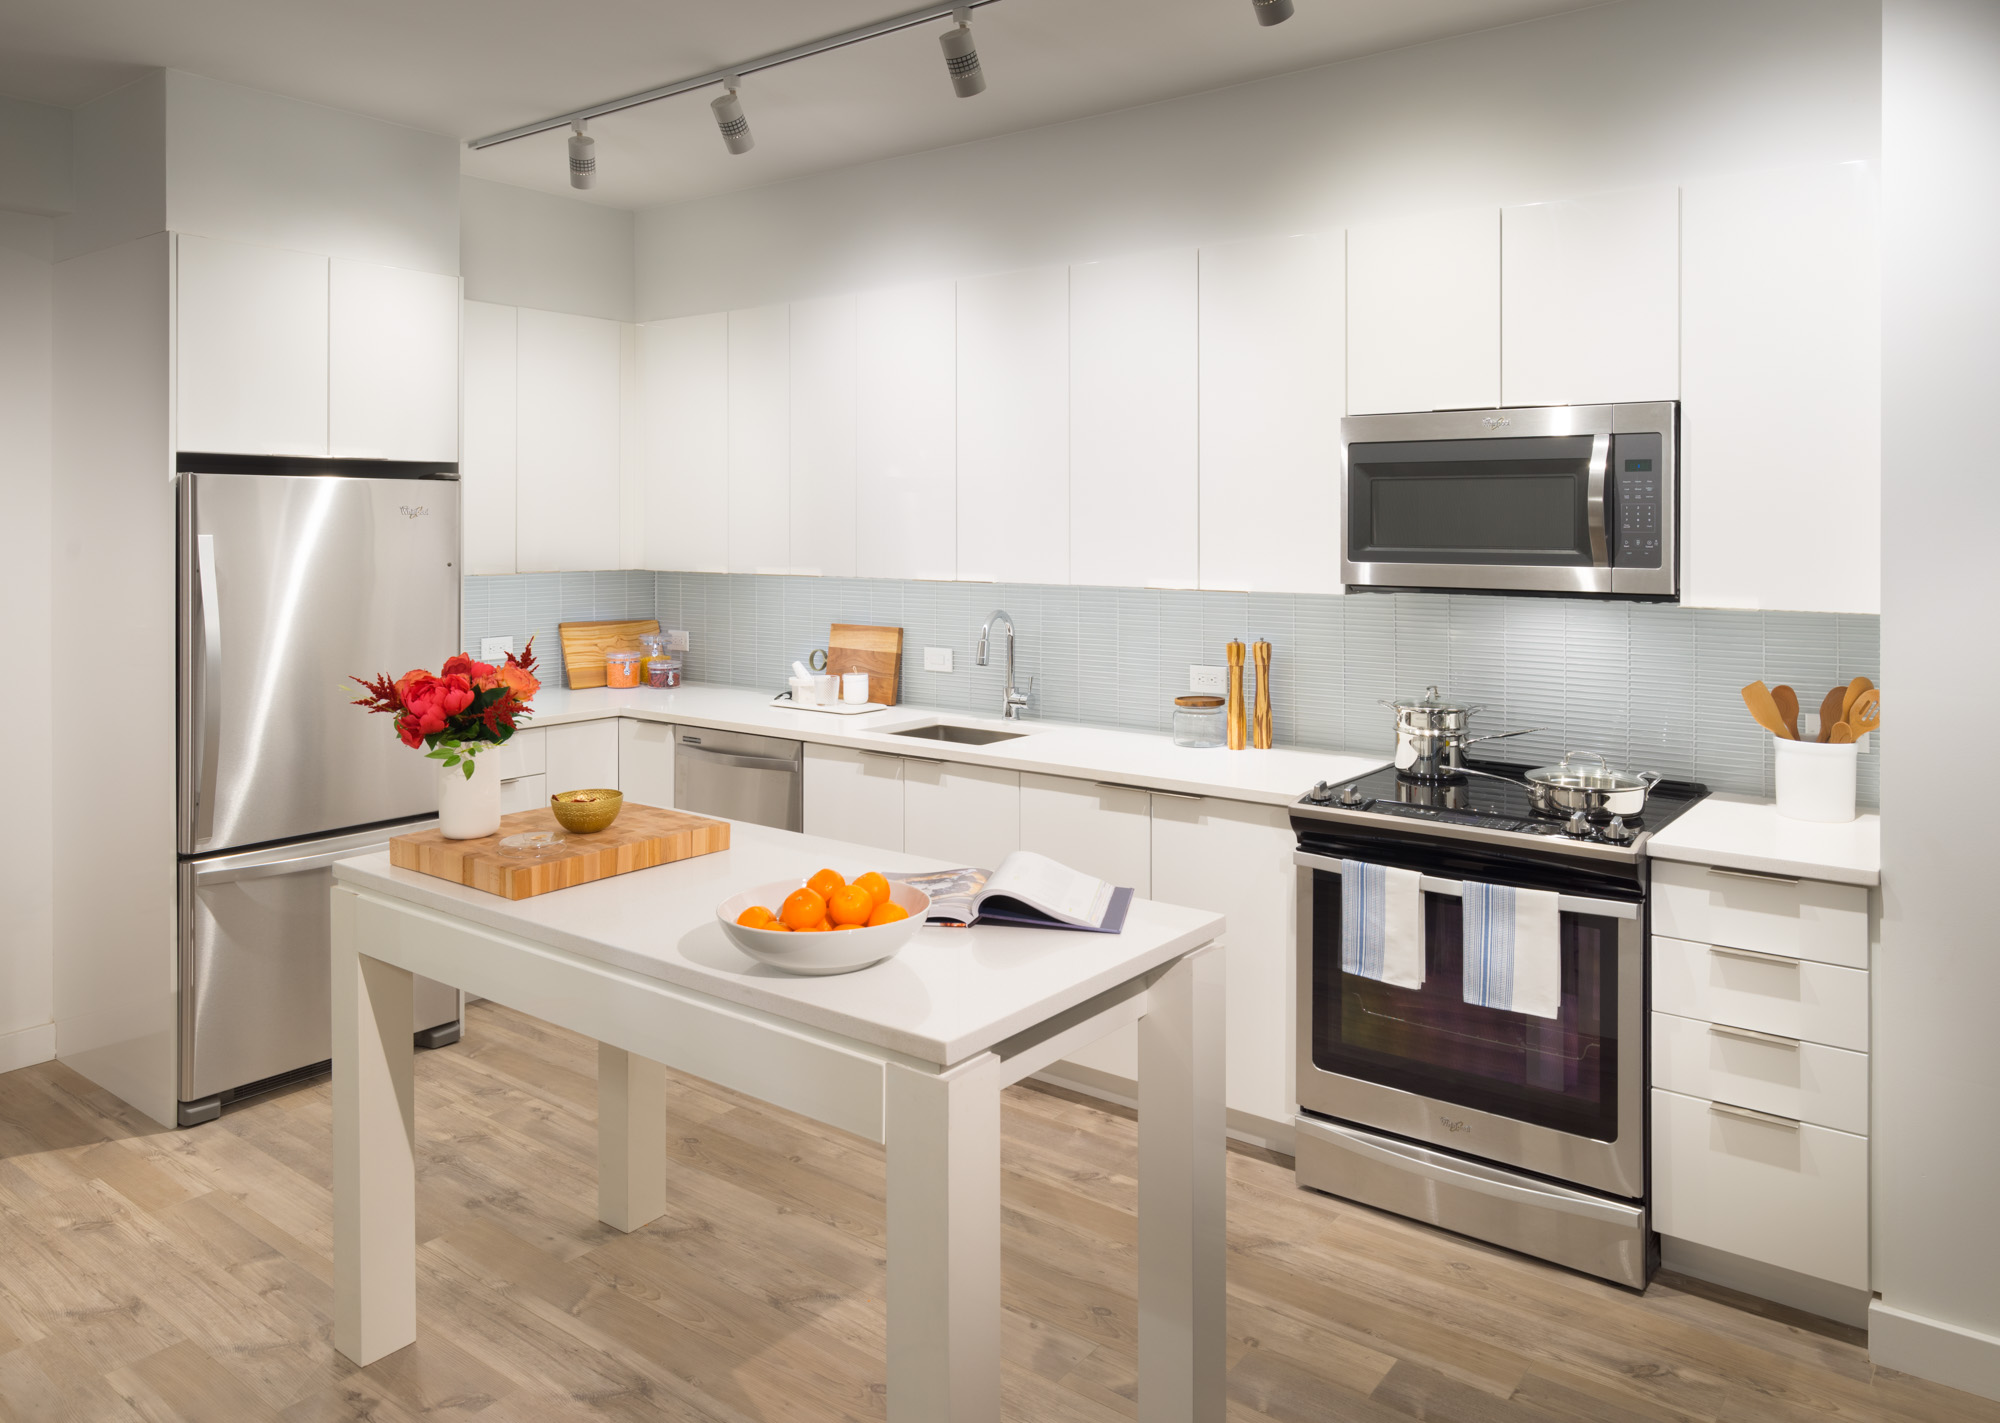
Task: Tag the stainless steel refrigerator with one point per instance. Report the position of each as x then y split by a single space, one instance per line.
294 575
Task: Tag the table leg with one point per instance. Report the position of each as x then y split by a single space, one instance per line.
374 1150
1182 1195
943 1138
631 1138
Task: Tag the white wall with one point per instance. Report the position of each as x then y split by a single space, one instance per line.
1937 974
34 158
518 247
1621 95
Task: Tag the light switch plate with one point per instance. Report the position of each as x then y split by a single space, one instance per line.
492 649
1214 680
937 659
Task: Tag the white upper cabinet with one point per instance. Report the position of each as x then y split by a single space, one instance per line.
486 470
251 357
822 431
1133 421
1013 426
1590 299
1781 366
567 502
1272 388
760 442
392 365
1423 313
905 447
684 397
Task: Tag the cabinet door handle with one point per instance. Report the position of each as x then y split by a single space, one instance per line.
1752 1035
1753 956
1751 1115
1170 795
1753 874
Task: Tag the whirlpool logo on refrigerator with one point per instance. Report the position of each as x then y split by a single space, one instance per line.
413 511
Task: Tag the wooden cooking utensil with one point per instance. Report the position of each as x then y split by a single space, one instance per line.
1757 697
1787 702
1830 708
1854 689
1866 713
1842 733
1260 719
1238 727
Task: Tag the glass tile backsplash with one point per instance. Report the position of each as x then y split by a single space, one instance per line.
1651 687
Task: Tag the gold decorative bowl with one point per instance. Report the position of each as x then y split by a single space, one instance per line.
586 812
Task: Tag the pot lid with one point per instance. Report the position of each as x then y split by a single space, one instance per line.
1586 770
1430 701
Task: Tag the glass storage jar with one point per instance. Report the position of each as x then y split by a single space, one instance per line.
1198 721
621 668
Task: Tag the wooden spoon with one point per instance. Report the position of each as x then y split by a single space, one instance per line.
1830 708
1757 697
1854 689
1842 733
1866 713
1787 702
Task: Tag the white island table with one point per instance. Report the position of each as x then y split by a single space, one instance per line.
912 1053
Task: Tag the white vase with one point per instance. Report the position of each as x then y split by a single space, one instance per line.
469 806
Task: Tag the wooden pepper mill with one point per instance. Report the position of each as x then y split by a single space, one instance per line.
1260 723
1238 724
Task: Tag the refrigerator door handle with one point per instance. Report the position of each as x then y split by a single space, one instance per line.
211 688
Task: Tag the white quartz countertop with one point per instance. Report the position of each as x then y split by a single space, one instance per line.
1275 777
1741 833
949 994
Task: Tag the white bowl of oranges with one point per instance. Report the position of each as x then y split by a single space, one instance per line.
825 924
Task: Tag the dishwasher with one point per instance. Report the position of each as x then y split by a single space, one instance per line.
737 776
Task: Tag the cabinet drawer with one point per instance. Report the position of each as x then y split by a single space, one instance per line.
1807 919
524 793
525 754
1789 1194
1810 1082
1794 998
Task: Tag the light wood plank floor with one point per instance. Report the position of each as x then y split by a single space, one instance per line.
148 1274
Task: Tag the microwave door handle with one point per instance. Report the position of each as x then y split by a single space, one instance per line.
1600 463
211 688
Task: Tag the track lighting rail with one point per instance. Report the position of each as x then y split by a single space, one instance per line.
729 71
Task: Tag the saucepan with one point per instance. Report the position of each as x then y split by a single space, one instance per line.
1431 733
1585 781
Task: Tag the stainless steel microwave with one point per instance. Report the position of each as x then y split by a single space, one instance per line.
1578 499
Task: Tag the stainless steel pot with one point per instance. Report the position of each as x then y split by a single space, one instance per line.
1431 734
1585 781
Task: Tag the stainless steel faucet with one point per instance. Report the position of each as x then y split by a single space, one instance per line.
1014 701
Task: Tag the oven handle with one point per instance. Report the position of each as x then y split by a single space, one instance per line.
1567 903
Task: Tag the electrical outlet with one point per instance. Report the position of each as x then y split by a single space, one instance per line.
677 639
1213 680
492 649
937 659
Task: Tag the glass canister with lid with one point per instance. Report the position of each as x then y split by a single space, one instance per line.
621 667
1199 721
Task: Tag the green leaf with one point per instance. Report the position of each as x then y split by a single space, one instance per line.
468 770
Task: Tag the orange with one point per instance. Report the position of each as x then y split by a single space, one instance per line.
887 914
850 904
755 917
847 926
825 883
803 908
820 928
877 887
776 926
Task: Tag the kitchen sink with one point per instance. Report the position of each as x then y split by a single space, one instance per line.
961 735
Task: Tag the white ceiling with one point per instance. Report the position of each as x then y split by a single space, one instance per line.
470 67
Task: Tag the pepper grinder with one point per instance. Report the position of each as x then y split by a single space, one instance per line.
1238 729
1260 723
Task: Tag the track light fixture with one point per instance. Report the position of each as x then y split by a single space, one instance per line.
582 157
961 57
736 135
1272 12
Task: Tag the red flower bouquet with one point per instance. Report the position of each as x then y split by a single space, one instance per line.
466 706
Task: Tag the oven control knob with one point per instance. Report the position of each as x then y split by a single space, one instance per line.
1618 830
1351 796
1578 826
1320 794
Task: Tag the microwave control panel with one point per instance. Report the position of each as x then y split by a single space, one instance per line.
1636 503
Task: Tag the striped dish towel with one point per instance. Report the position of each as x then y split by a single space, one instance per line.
1513 949
1382 923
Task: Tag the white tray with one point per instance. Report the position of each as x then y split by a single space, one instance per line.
837 709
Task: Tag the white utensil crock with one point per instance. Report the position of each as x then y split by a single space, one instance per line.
1815 781
469 806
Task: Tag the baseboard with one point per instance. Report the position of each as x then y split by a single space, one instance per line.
1932 1349
1123 1092
27 1046
1841 1303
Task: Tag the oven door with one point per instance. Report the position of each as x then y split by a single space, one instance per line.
1562 1097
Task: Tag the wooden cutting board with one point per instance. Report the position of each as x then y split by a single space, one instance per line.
876 651
584 646
643 836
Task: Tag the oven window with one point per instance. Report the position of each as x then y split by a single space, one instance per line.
1516 501
1559 1072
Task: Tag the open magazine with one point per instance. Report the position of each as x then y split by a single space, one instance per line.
1027 889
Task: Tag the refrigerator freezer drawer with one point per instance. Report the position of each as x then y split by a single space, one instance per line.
256 986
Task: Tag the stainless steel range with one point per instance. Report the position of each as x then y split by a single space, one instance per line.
1525 1131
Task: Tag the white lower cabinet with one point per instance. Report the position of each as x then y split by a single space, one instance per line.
646 762
524 793
583 756
1236 860
1784 1192
1793 998
856 796
1808 1082
967 815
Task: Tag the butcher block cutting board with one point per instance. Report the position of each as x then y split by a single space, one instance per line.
584 646
643 836
876 651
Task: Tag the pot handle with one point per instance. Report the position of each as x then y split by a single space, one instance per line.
1496 736
1569 756
1651 778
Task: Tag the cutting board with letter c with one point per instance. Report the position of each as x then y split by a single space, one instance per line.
876 651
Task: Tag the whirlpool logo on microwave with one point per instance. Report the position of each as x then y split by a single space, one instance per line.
413 511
